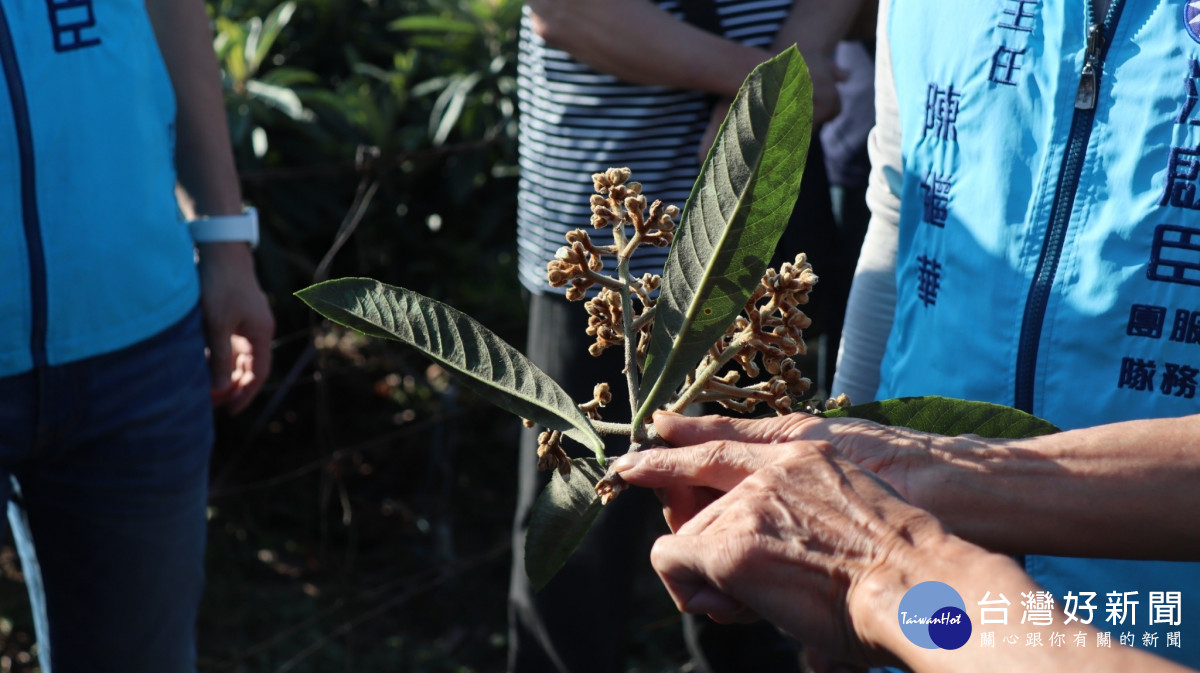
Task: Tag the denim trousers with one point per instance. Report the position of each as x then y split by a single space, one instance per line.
104 465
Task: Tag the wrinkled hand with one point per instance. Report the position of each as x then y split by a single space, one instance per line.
896 455
800 536
237 322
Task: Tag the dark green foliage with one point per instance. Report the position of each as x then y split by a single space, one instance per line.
485 361
562 516
403 109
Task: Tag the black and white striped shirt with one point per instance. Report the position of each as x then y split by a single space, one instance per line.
575 122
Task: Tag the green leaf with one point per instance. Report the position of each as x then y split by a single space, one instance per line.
457 341
449 107
562 515
264 34
946 416
281 98
734 217
432 23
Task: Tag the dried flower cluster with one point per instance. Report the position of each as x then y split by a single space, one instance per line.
621 205
550 452
771 331
765 338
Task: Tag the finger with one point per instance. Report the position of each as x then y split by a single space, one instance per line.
220 361
256 361
244 384
720 607
682 503
720 465
679 562
679 430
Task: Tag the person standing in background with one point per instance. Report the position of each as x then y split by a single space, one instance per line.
1032 234
106 397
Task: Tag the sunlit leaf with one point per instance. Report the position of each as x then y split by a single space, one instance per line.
433 24
734 217
289 77
272 26
561 516
281 98
457 341
946 416
449 106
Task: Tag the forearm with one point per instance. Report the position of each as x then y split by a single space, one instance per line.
637 42
975 573
1135 481
816 26
204 158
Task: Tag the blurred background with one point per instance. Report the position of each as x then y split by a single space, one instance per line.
361 508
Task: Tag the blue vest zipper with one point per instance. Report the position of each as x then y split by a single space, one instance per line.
1099 38
29 209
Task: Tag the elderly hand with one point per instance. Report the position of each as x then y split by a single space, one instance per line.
792 532
897 455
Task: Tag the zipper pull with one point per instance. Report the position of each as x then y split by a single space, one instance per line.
1085 96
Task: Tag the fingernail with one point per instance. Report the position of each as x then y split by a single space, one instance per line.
668 414
624 462
710 601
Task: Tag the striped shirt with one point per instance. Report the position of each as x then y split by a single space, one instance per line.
575 122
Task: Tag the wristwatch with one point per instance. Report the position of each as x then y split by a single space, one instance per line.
224 228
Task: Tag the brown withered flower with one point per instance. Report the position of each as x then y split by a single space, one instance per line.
550 453
605 321
601 396
771 333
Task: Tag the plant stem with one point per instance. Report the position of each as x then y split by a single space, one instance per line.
605 280
703 376
646 316
631 375
607 428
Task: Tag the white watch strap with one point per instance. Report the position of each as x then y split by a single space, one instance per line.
223 228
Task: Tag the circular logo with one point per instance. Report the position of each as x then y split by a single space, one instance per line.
1191 18
933 616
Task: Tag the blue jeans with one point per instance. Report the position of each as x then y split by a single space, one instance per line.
104 465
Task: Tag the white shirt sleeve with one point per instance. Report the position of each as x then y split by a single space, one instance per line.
872 302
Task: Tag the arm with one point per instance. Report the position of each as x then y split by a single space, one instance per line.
1136 480
237 319
809 541
1045 495
872 303
815 28
637 42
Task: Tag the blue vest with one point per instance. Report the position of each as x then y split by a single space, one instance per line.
1049 253
93 256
